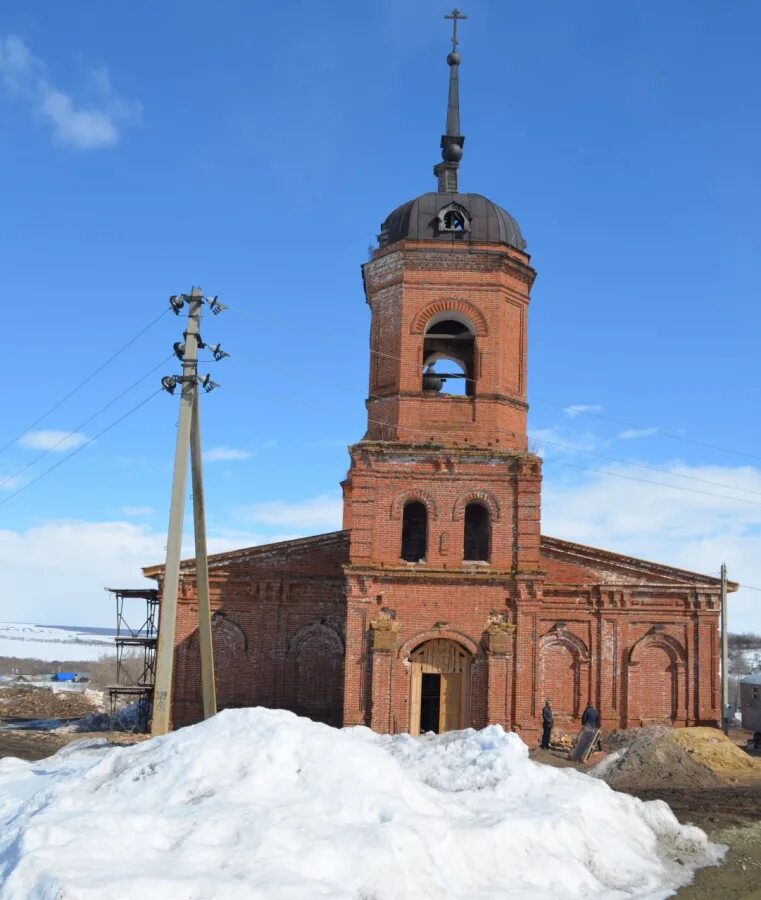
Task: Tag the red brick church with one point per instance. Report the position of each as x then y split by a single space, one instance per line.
440 604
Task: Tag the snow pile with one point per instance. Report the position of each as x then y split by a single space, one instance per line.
262 804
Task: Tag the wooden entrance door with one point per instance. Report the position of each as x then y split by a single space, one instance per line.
447 667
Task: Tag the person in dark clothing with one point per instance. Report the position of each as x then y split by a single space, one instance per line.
547 721
590 717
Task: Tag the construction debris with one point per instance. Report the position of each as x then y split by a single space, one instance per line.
559 740
28 702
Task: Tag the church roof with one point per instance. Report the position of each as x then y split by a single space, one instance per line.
565 562
608 566
419 220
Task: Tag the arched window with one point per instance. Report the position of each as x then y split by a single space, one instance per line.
414 531
448 355
477 537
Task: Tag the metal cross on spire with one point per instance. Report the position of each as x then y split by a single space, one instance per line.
451 140
455 15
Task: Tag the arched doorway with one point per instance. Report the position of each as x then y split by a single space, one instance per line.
439 687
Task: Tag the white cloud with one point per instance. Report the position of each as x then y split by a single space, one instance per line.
695 531
322 512
138 511
55 573
49 439
91 124
633 433
580 408
225 454
559 443
11 482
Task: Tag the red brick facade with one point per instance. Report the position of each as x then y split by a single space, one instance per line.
341 627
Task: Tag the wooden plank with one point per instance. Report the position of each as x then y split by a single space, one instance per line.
416 688
585 743
451 702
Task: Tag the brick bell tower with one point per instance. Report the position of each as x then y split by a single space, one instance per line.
442 498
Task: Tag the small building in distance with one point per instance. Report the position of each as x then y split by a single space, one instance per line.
440 604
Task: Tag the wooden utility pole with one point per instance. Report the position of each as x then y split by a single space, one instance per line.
202 567
188 440
724 653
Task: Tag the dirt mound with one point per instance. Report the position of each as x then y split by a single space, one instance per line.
620 738
654 760
661 757
714 750
44 703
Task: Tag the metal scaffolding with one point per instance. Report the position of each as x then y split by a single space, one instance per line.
135 644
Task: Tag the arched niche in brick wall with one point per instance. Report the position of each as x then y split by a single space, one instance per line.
467 312
564 667
230 645
315 672
668 643
656 680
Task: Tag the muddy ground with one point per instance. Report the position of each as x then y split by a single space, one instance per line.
34 745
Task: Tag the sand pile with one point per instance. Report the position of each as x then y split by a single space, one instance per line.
713 749
661 757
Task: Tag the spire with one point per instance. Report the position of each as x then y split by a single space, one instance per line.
452 141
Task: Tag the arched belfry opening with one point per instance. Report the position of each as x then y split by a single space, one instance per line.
453 219
414 532
449 349
477 533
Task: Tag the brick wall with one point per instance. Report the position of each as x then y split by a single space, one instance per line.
325 626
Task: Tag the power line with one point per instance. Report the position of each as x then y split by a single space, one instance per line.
80 448
429 431
668 434
554 443
11 478
84 381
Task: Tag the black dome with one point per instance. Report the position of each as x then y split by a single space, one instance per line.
475 219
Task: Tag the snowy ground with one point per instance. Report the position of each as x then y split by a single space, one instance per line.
752 659
48 643
260 804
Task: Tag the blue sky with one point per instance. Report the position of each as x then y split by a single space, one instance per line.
254 149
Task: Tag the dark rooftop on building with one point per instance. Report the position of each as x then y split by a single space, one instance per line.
451 217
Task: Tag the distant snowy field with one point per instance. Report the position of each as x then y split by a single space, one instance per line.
50 643
258 804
